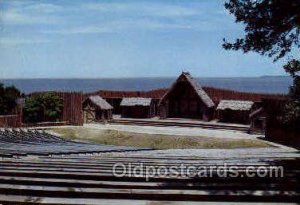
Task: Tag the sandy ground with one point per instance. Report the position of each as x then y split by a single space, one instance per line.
182 120
188 131
276 151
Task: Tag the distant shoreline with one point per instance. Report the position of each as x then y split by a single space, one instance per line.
263 84
159 77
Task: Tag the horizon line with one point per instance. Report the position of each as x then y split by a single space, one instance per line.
95 78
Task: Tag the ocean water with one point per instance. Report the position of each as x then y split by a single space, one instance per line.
268 84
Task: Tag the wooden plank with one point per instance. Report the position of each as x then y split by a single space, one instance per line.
18 143
147 185
109 170
167 178
153 194
159 163
111 164
14 199
264 157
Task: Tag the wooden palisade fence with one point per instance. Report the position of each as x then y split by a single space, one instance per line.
72 107
11 120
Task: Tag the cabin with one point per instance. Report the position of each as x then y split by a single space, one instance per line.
276 130
235 111
96 109
186 99
137 107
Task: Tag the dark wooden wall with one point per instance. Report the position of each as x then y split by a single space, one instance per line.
10 120
234 116
183 102
72 108
275 129
73 101
137 111
216 94
115 102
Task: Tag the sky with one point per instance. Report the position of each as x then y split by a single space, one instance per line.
118 38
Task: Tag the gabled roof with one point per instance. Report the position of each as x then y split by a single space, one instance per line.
195 85
136 102
235 105
100 102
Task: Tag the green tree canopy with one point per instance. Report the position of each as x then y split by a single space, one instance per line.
43 107
272 28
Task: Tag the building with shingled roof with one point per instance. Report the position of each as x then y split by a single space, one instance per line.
96 109
137 107
235 111
186 99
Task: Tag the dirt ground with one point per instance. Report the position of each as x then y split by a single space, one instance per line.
174 130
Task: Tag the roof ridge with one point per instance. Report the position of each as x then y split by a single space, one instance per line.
100 102
199 90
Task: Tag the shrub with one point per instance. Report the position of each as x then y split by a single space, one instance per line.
45 107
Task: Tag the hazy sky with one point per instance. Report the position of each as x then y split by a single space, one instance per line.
76 38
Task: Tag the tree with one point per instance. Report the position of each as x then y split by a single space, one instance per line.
43 107
8 97
272 28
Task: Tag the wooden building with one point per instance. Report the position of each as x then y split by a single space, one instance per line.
276 130
137 107
186 99
96 109
235 111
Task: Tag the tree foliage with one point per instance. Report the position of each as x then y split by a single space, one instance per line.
8 97
272 28
43 107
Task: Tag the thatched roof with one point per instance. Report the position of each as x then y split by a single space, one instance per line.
195 85
136 102
100 102
235 105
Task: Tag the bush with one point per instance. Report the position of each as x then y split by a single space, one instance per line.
45 107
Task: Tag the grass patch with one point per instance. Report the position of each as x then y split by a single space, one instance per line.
155 141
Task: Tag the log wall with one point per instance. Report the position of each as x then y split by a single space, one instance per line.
275 129
72 111
10 120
